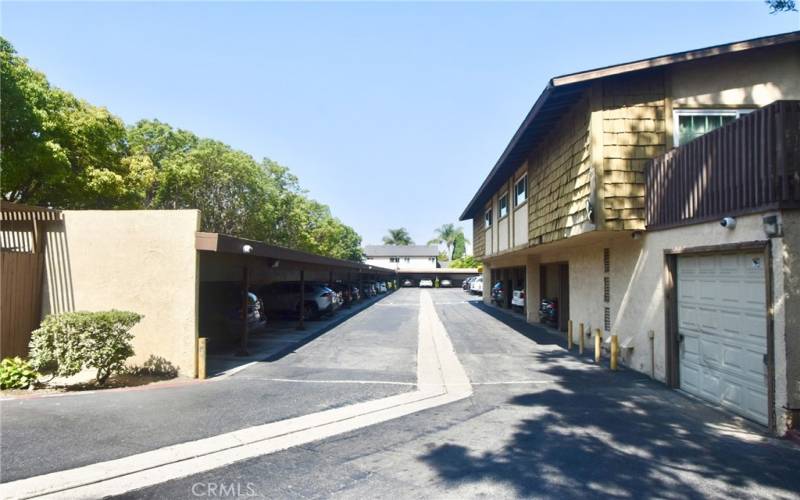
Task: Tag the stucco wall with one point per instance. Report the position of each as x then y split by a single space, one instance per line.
790 257
754 78
139 260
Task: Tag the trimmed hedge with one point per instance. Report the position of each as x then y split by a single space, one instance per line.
65 344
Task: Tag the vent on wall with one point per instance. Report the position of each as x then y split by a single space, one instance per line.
607 319
606 289
606 260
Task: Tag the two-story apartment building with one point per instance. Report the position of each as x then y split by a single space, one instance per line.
403 257
610 200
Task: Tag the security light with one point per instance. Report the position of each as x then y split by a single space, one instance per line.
772 226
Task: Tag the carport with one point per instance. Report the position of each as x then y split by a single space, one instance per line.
230 266
454 274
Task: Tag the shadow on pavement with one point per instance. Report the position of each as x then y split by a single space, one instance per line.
618 434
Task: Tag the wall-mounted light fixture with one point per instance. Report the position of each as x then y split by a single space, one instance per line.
247 249
636 235
772 226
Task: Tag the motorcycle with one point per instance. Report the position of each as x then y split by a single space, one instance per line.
548 311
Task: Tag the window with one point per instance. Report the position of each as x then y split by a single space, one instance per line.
432 259
503 206
521 191
394 259
692 123
487 219
406 259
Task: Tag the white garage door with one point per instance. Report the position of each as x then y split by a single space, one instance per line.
722 323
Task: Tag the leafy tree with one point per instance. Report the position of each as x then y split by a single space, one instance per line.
447 234
151 144
56 149
467 261
459 246
443 257
776 6
60 151
398 236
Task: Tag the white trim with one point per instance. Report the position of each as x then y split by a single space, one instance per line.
678 112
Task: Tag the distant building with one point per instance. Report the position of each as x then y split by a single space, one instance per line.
401 257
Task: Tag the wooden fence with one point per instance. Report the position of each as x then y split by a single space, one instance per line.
20 302
22 267
749 165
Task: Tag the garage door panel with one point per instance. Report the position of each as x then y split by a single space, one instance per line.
722 320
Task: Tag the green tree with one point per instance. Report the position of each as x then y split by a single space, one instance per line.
56 149
151 144
776 6
467 261
398 236
447 235
460 245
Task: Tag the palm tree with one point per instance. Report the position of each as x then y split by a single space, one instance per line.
398 236
447 234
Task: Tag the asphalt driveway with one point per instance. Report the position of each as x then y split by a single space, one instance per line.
540 424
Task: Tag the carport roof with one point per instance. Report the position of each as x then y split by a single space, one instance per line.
223 243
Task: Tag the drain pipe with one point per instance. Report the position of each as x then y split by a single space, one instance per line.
651 336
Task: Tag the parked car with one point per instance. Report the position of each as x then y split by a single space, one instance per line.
476 286
548 311
465 285
284 298
382 288
518 299
425 284
498 294
445 283
256 316
407 282
368 289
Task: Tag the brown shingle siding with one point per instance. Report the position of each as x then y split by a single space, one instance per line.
478 237
559 178
634 130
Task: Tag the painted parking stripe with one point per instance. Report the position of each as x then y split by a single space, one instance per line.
441 379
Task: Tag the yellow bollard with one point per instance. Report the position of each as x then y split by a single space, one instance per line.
598 342
201 357
581 338
569 335
614 351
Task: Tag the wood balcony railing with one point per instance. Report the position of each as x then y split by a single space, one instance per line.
751 164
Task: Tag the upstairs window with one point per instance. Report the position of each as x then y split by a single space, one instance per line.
406 259
394 259
521 191
487 219
692 123
502 207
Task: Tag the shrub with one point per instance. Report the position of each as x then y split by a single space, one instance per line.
16 373
67 343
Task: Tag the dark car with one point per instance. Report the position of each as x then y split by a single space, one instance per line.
465 285
256 316
284 297
499 295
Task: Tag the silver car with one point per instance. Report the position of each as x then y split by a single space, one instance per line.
284 297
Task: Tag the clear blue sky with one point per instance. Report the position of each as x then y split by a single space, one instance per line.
392 114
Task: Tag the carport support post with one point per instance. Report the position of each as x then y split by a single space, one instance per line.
301 322
245 289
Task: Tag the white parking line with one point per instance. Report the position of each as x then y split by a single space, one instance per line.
440 380
312 381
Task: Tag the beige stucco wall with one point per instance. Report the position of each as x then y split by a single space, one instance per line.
137 260
789 321
754 78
